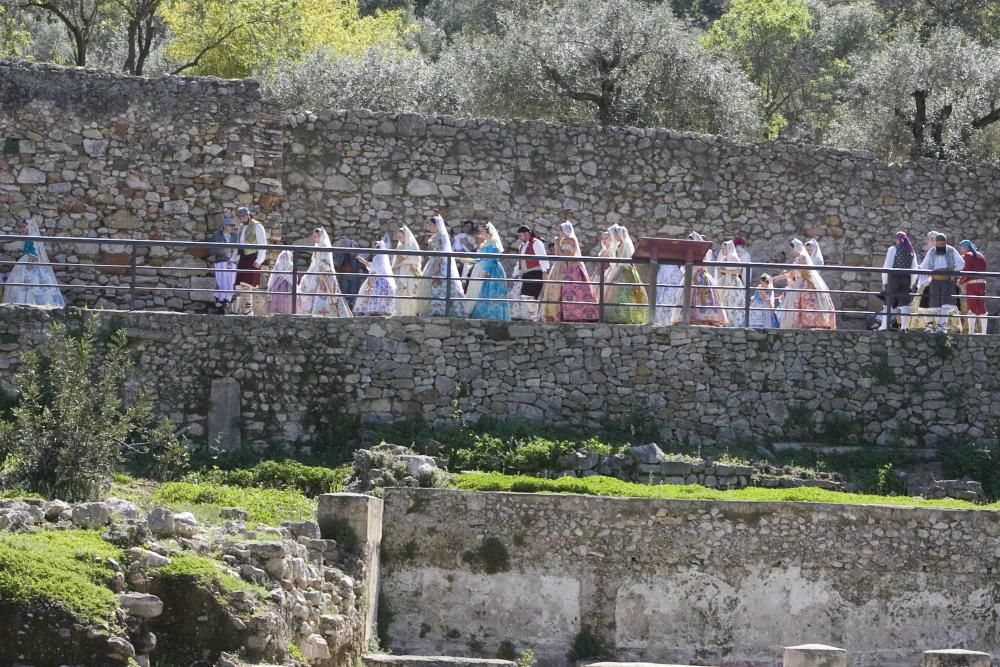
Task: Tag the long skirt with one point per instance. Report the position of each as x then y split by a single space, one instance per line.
321 297
706 302
520 306
375 297
435 289
490 293
626 303
247 274
807 310
897 291
732 298
669 293
569 295
39 286
279 301
407 284
225 279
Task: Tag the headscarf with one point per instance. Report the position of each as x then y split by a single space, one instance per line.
409 241
444 242
800 248
628 248
567 230
381 266
614 232
817 256
970 246
903 242
282 269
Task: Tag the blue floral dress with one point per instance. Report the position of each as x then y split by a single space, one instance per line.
488 281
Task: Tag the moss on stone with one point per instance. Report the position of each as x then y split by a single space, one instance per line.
206 500
69 568
490 556
205 571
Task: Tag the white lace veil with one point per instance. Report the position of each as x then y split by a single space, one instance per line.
444 243
817 256
381 266
409 240
628 248
494 236
282 269
614 232
570 233
322 262
729 253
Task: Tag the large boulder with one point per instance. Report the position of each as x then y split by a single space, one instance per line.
647 454
141 605
91 515
161 522
123 509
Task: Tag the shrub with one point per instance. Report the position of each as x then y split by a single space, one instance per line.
72 428
308 480
269 506
965 459
586 645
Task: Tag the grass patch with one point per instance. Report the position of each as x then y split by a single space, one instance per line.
65 567
290 475
206 500
608 486
205 571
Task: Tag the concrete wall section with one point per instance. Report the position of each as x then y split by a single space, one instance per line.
684 582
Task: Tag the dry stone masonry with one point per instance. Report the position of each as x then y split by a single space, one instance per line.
685 582
101 155
301 379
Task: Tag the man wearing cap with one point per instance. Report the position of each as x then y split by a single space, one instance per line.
532 271
943 260
225 263
251 232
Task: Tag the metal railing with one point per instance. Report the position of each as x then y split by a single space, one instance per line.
693 293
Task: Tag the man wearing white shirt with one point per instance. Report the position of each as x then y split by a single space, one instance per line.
942 259
531 271
251 232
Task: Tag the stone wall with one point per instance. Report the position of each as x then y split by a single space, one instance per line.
297 379
104 155
683 582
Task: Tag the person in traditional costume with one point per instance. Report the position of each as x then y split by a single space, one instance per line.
807 303
762 305
465 241
532 271
569 295
974 287
942 259
377 291
408 269
251 232
730 284
815 253
898 286
706 302
32 281
624 295
225 261
487 291
669 293
741 249
319 292
436 286
279 285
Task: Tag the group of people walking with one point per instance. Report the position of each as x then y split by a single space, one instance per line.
566 289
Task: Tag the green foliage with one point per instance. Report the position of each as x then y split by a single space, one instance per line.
201 570
270 506
343 534
586 644
526 659
73 428
310 481
888 483
607 486
965 459
882 372
506 650
490 556
69 568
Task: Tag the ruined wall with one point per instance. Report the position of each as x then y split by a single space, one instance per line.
298 378
683 582
98 154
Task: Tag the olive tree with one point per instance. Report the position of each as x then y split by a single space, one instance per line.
924 98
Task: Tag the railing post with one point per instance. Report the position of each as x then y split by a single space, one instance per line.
133 261
295 284
600 293
688 276
654 269
447 286
746 300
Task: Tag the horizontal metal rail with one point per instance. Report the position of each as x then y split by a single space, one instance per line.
125 278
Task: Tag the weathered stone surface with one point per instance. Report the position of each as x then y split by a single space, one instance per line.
141 605
647 454
814 655
224 413
386 660
161 522
185 525
91 515
956 658
812 566
54 508
30 175
123 508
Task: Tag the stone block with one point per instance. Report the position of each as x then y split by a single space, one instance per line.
382 660
224 414
956 657
675 468
814 655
